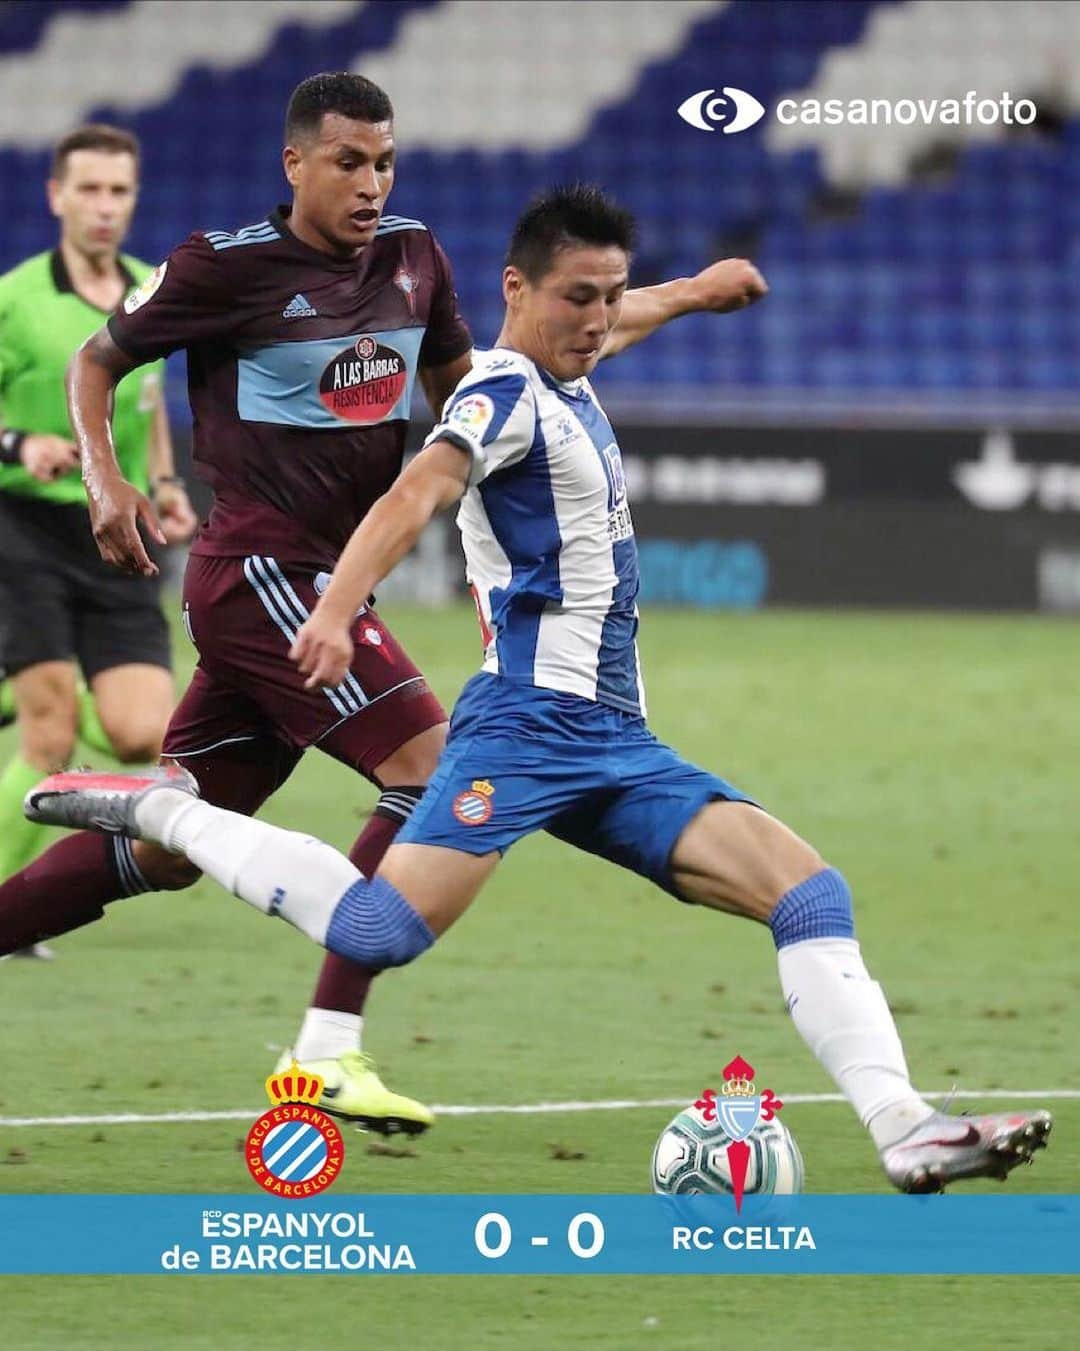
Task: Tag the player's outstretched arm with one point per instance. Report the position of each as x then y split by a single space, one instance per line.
435 480
730 284
115 505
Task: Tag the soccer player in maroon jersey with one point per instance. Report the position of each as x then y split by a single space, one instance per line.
305 333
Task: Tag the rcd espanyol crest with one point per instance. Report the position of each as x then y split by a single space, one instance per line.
294 1149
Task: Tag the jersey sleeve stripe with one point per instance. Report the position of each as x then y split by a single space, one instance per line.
400 228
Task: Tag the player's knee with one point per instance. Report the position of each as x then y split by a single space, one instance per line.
162 870
47 735
376 926
818 907
135 744
415 762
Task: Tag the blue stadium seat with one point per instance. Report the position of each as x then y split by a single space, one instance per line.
969 282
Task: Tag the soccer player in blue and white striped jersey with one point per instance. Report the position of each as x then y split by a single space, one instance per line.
551 734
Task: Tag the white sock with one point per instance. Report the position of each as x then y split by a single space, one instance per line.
279 872
842 1015
327 1034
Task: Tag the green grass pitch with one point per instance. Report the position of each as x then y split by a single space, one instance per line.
932 758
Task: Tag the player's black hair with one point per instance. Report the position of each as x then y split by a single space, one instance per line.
561 218
337 91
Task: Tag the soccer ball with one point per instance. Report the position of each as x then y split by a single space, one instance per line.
690 1158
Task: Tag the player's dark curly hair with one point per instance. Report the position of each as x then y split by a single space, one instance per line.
336 91
562 217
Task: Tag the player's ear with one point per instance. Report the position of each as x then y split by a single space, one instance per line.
52 193
290 162
513 286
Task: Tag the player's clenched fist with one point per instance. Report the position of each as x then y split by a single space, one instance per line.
730 284
323 649
47 457
175 512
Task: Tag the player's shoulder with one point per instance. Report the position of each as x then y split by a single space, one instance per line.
245 238
499 373
495 363
399 225
227 259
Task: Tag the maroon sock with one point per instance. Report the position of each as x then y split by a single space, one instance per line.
63 889
342 984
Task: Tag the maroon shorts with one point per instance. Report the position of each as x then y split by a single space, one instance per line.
246 717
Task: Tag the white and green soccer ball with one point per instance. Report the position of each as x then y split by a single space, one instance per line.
690 1158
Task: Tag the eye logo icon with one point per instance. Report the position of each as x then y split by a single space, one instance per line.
731 110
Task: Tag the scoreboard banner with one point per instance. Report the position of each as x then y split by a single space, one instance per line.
516 1234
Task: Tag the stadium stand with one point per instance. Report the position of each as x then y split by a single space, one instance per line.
945 263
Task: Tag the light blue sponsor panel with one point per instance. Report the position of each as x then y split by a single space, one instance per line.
279 383
602 1235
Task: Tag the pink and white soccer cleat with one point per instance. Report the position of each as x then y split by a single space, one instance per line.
91 799
945 1149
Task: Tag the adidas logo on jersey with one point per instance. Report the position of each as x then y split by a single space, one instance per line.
299 308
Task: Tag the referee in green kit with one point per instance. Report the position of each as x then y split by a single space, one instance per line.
61 607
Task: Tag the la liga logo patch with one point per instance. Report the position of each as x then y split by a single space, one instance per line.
472 415
294 1150
143 292
474 807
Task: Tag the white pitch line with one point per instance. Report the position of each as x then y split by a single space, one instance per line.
505 1109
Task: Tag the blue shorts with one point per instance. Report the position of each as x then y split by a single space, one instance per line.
521 759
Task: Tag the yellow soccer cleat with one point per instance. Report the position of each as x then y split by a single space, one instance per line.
353 1091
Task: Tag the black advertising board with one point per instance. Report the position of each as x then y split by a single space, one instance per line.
856 516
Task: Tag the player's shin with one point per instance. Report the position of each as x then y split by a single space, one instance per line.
279 872
333 1025
67 887
839 1010
297 877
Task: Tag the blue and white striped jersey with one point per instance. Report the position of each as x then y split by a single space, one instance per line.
549 543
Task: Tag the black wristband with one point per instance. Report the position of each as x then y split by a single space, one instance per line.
11 444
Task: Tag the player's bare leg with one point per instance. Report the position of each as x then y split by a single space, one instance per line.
134 702
45 707
737 858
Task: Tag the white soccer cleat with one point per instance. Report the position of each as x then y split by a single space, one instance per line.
90 799
945 1149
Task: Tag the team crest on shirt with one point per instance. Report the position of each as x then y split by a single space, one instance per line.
145 290
369 636
472 415
474 807
407 284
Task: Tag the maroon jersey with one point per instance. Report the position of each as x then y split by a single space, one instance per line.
301 369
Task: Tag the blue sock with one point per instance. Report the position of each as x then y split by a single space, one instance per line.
820 907
375 925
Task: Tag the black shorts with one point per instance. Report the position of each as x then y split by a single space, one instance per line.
59 600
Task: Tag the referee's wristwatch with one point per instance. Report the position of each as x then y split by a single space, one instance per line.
11 444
